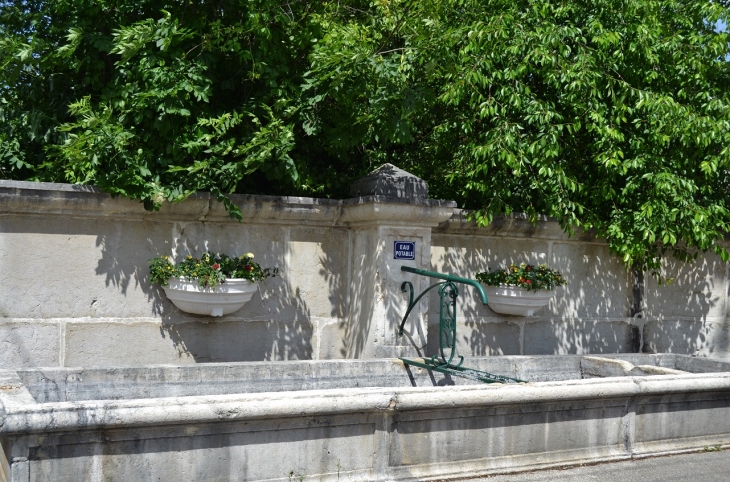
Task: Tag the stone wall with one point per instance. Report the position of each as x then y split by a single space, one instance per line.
594 312
589 315
75 290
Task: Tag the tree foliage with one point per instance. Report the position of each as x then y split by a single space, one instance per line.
151 99
610 115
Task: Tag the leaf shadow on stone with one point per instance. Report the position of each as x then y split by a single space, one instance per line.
592 314
274 325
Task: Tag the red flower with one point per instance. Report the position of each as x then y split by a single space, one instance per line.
216 266
528 281
248 267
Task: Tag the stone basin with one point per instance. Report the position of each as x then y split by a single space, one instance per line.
354 419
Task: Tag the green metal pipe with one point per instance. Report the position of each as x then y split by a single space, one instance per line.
449 277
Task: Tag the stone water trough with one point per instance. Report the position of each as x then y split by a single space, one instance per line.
353 419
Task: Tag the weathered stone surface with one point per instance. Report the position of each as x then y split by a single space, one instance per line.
509 433
515 225
598 285
653 370
116 383
88 201
372 327
374 211
593 366
28 344
318 270
337 267
698 290
332 336
247 341
701 365
390 181
502 338
97 344
107 344
691 337
315 243
107 275
468 255
357 434
680 417
563 337
286 453
479 338
465 256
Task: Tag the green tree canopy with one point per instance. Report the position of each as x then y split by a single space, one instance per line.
607 115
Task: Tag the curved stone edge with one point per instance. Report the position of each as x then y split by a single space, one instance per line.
63 416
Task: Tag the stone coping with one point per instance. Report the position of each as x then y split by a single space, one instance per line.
41 198
515 224
48 198
20 186
23 197
17 415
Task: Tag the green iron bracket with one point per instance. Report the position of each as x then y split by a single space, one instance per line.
448 292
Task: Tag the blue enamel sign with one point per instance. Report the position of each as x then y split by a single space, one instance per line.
404 250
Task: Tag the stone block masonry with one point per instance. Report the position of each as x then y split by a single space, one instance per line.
352 420
75 288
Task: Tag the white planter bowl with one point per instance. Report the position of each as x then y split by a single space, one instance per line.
224 299
511 300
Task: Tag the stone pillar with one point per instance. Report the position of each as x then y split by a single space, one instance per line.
388 206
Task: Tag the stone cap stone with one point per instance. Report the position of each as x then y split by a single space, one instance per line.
390 181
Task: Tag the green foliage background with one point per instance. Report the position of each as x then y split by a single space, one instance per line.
608 115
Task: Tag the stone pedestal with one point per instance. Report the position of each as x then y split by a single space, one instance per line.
392 206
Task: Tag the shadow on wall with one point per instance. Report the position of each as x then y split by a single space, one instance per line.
414 340
337 337
361 294
589 315
413 329
123 263
688 316
274 325
238 338
592 314
465 256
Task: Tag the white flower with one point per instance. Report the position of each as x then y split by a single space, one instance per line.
158 197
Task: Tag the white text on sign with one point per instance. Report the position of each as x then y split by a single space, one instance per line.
404 250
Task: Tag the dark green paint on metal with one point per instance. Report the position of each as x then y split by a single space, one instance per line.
459 371
448 292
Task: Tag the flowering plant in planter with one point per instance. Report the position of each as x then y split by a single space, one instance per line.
524 276
213 285
209 270
520 290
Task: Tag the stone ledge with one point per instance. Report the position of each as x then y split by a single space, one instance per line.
31 198
61 416
513 225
